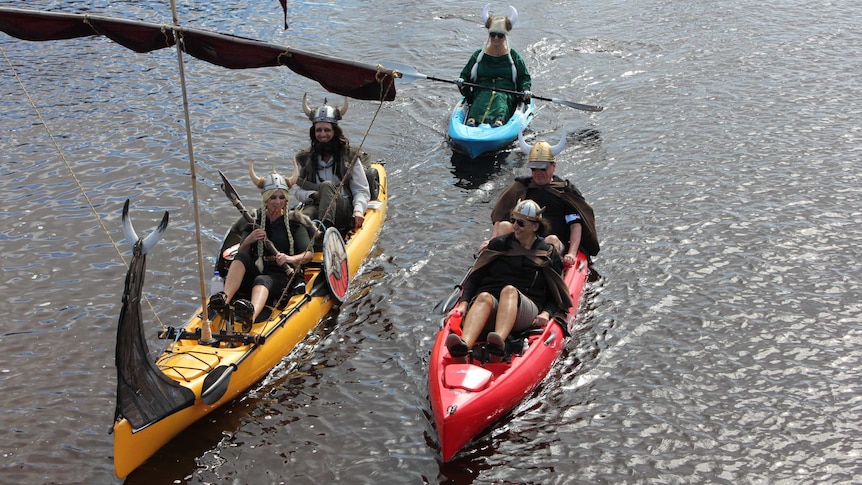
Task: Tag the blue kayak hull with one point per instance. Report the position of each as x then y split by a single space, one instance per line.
478 140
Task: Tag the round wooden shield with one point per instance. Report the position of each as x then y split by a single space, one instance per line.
335 263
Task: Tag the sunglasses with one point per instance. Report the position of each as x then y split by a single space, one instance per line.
519 222
543 169
499 36
278 197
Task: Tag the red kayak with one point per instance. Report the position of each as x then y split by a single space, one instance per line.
468 398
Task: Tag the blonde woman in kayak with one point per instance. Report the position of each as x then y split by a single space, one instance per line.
495 66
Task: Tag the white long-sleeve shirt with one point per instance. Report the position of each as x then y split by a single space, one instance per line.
358 185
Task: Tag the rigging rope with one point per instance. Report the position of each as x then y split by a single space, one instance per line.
340 186
72 174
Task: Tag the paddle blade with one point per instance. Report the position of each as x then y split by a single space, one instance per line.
228 189
408 74
582 107
216 384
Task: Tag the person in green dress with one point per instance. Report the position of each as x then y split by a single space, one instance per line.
495 66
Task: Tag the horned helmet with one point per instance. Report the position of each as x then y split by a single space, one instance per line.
273 181
325 113
500 24
528 210
541 153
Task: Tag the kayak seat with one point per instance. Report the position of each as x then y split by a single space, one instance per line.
373 177
467 377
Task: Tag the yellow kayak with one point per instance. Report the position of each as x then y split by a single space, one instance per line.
157 400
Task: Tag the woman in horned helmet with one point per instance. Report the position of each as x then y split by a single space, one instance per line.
514 284
332 183
257 271
495 66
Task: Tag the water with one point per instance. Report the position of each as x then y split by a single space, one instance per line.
720 346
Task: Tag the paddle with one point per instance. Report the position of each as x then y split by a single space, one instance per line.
408 72
443 306
216 383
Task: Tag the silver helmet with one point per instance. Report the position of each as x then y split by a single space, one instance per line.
529 210
273 181
325 113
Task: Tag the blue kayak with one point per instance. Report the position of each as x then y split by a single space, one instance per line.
476 140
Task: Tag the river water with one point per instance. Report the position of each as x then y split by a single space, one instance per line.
720 345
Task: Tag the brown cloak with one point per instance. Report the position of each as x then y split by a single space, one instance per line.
561 188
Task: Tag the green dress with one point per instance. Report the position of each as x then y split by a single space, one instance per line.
487 106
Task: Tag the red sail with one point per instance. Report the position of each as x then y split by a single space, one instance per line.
340 76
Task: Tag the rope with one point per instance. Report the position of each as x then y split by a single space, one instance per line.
73 175
352 162
340 186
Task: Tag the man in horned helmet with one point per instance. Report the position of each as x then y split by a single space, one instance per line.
271 252
571 218
495 66
332 183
